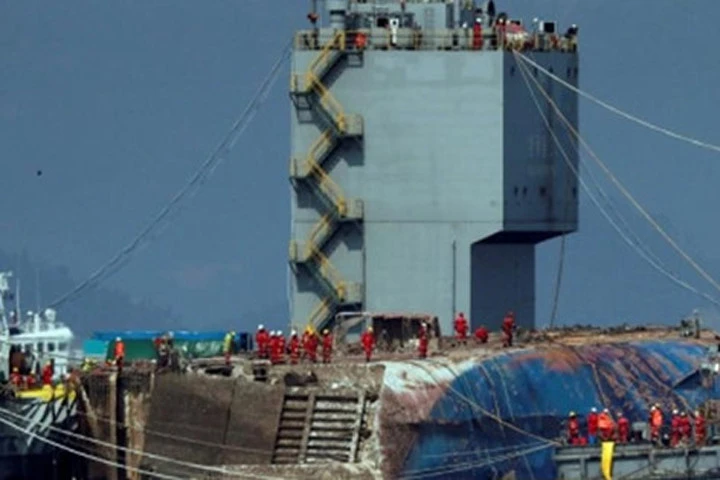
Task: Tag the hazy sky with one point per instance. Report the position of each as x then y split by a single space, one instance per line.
119 102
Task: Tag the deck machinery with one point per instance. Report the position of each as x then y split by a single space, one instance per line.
422 173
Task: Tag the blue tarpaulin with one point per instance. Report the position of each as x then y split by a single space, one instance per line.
498 414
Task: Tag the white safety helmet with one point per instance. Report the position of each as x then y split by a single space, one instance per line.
261 327
279 332
294 332
117 339
593 410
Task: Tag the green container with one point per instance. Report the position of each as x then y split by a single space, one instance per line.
138 350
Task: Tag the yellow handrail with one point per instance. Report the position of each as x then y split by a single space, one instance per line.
326 183
320 311
329 102
329 272
319 229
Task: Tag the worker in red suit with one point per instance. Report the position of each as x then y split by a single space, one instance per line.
461 328
368 342
294 347
675 425
327 343
508 327
47 374
16 378
685 428
606 426
262 339
592 424
310 344
477 35
700 429
656 422
274 347
573 435
282 346
423 341
119 353
481 334
623 428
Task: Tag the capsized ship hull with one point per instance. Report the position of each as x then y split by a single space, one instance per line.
494 413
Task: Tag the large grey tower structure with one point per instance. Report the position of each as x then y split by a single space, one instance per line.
422 173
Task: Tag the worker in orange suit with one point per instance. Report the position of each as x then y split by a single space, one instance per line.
47 374
423 341
623 428
482 334
327 342
700 429
360 41
656 422
310 344
606 426
592 425
294 347
461 328
508 327
368 342
281 347
573 435
119 353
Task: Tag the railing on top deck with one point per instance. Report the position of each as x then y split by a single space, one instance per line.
438 39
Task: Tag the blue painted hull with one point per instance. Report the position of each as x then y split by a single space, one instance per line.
498 414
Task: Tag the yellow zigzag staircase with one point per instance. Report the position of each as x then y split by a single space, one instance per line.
309 91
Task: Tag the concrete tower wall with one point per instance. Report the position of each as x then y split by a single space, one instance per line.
447 137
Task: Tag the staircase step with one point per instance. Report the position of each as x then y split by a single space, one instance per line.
331 436
333 417
294 415
291 425
332 444
289 442
330 425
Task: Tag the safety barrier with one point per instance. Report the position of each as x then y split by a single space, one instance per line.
437 39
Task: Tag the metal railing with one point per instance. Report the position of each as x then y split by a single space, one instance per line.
436 39
320 312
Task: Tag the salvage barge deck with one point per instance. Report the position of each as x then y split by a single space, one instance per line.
476 411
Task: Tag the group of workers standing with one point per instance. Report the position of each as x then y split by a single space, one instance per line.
601 426
274 346
462 329
29 381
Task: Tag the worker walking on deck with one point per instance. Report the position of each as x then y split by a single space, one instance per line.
282 346
294 347
227 346
461 328
481 334
508 327
573 436
623 428
262 339
423 341
119 353
327 343
700 430
592 424
368 342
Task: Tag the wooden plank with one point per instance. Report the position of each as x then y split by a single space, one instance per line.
308 425
354 444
